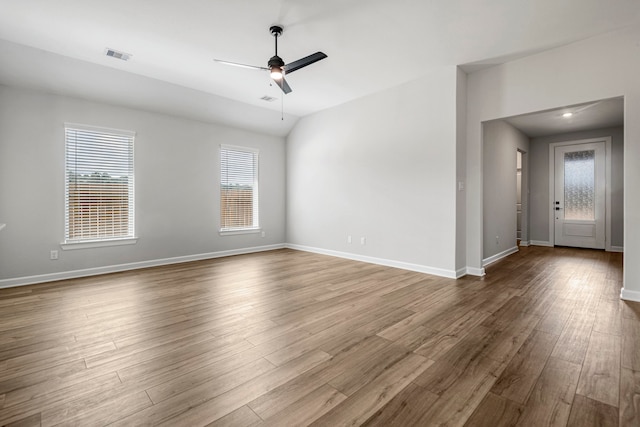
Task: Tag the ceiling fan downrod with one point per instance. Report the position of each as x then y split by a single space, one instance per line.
276 63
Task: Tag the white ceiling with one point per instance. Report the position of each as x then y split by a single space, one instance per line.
371 45
594 115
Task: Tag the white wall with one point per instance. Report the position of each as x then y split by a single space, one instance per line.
382 167
540 181
598 68
176 178
501 143
461 167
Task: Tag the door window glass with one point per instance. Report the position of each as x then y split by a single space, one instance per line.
579 185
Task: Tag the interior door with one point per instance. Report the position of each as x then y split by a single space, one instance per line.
580 195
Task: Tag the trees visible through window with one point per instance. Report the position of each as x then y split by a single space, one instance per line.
238 188
99 198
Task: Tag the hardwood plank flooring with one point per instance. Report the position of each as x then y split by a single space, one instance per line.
522 372
600 377
591 413
289 338
495 411
551 399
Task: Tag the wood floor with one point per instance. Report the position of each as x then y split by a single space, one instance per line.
289 338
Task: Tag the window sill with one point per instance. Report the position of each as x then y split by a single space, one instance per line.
244 231
67 246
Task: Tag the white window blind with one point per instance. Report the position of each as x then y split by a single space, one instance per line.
99 184
238 188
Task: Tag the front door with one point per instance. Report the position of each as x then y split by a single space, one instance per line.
580 187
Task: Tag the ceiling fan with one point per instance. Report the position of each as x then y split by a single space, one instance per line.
276 66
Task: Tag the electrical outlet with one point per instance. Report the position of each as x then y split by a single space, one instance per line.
349 239
363 240
497 240
263 234
53 255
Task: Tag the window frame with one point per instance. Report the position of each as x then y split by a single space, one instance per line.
130 237
256 227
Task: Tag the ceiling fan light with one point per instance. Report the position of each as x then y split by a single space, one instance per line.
276 73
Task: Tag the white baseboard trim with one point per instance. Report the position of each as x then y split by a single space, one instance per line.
476 271
461 272
74 274
550 245
451 274
541 243
628 295
524 244
498 257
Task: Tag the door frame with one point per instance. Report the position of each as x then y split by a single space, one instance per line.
607 191
524 183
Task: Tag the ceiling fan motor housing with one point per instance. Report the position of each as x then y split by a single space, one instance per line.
276 61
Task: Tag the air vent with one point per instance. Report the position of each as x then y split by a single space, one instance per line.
118 55
268 98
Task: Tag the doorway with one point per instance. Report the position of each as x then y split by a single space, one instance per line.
579 195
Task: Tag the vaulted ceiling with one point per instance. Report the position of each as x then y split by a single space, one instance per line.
371 45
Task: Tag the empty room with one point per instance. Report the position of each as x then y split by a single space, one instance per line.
293 213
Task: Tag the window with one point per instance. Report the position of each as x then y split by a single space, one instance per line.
238 189
99 203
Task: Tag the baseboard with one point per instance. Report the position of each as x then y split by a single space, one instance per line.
475 271
461 272
525 244
451 274
550 245
498 257
628 295
540 243
74 274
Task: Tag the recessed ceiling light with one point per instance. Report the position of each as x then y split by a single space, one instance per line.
567 115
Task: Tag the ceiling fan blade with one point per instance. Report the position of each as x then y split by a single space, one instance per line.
282 83
235 64
307 60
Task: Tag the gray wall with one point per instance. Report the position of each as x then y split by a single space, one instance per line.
539 184
461 166
501 143
176 177
382 167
